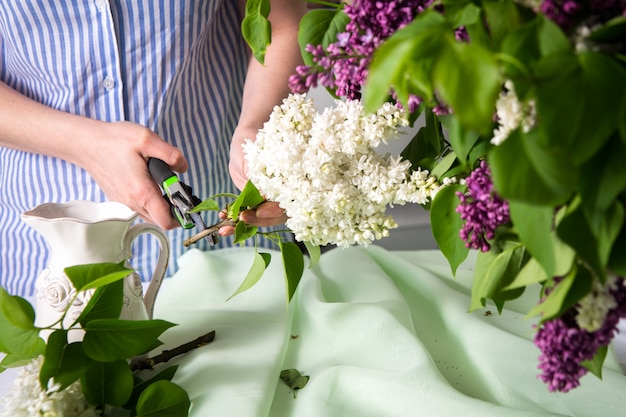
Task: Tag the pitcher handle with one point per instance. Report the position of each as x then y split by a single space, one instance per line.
161 266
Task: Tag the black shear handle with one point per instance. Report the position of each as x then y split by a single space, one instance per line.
159 170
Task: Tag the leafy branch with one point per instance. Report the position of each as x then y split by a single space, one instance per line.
105 358
143 363
292 255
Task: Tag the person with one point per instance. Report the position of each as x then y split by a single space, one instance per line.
89 90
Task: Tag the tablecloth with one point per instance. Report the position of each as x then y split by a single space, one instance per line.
379 333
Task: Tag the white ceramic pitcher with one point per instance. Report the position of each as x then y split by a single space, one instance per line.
84 232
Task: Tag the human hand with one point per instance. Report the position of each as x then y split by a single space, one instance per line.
237 165
118 163
266 214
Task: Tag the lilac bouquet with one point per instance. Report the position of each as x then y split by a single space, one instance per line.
524 102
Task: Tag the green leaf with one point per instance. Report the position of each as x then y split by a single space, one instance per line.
467 78
612 31
534 272
522 43
256 28
107 340
244 232
57 340
462 13
405 59
293 264
575 231
552 40
294 380
108 383
566 98
617 260
461 139
608 231
494 271
601 91
595 365
314 252
165 375
66 367
565 255
446 224
320 27
433 132
560 107
88 276
533 224
599 191
259 265
18 334
20 311
17 361
502 18
478 153
621 111
105 303
565 294
249 197
426 146
206 205
531 273
163 399
443 165
420 152
543 176
231 196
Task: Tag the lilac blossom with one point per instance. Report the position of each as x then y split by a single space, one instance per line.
482 209
343 65
565 346
413 102
461 34
566 13
442 110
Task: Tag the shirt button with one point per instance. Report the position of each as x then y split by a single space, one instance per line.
108 83
100 4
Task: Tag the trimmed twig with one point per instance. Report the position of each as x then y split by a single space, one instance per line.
142 363
208 231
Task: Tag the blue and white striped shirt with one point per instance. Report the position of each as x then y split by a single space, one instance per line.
174 66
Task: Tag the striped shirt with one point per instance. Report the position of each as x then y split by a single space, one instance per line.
174 66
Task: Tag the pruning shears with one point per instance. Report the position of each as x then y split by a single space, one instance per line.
179 196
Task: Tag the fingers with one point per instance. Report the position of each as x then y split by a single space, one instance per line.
270 211
237 166
169 154
128 180
157 211
226 231
265 215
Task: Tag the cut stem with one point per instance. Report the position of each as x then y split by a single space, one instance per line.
145 362
208 231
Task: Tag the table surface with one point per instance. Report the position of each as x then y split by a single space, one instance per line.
379 333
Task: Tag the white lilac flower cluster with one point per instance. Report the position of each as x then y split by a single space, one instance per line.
323 170
593 308
27 399
511 113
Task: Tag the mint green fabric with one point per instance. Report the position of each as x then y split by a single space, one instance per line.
381 334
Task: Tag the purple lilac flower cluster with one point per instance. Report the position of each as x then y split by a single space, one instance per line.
566 13
482 209
343 65
564 346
